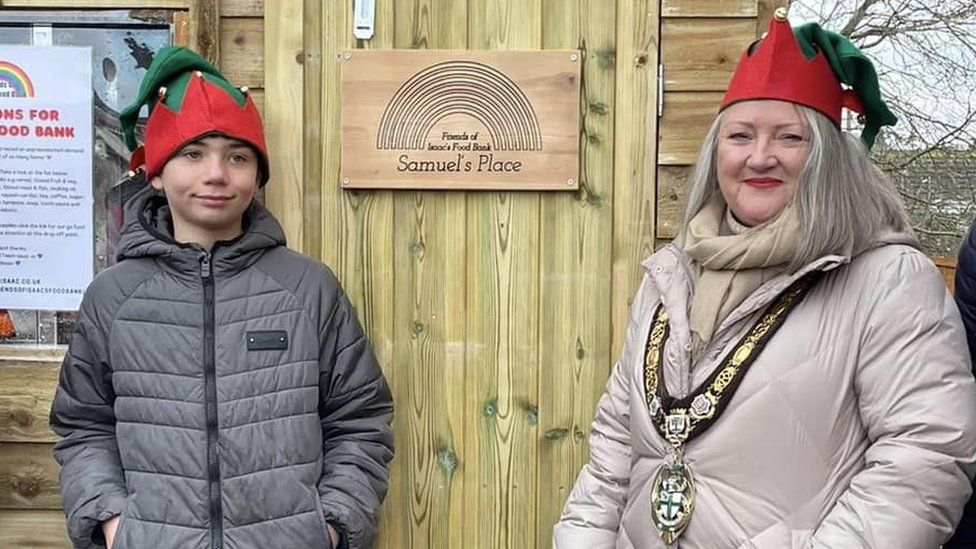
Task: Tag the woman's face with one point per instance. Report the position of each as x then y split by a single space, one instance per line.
762 146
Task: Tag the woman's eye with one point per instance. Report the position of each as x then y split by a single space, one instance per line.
792 137
739 136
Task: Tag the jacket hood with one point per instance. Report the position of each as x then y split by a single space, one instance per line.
148 232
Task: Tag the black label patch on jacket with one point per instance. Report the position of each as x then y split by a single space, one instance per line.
276 340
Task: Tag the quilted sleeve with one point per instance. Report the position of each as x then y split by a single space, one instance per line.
917 399
356 412
92 483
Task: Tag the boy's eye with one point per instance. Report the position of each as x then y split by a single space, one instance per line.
192 154
239 158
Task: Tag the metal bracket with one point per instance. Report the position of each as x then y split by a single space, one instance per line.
365 19
42 35
660 91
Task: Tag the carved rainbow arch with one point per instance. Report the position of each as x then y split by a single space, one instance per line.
459 87
14 82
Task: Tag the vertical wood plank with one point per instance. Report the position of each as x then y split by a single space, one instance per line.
355 229
502 326
208 15
336 20
192 25
313 38
575 287
181 29
284 121
635 153
365 231
429 317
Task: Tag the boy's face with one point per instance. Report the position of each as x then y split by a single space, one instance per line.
208 184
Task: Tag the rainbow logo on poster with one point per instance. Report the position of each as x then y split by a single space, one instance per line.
14 82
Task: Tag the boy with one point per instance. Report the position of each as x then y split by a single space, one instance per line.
218 390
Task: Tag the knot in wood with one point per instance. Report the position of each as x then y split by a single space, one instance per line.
22 418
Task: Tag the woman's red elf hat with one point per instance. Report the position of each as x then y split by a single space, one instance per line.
809 68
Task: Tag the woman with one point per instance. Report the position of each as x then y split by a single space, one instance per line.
795 373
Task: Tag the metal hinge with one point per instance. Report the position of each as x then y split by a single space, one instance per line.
365 18
660 90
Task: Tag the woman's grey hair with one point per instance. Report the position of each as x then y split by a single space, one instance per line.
843 200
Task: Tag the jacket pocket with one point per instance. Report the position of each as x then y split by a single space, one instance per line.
117 541
323 527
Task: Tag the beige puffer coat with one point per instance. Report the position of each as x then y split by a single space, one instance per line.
854 428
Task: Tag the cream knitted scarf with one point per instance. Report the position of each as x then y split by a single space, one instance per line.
732 266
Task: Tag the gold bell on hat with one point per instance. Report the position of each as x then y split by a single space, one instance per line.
781 13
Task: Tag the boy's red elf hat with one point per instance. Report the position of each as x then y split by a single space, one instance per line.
808 66
187 99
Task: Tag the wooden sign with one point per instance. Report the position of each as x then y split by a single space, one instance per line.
427 119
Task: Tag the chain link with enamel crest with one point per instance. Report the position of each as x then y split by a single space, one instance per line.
680 420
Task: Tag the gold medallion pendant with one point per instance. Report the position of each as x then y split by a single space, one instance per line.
672 500
681 420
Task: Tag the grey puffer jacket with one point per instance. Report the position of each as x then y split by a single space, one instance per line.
220 400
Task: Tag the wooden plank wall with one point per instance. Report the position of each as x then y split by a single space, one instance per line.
493 313
30 505
241 38
700 45
490 311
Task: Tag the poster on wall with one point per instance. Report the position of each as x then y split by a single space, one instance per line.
429 119
46 253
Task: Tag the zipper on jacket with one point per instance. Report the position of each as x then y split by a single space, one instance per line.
210 381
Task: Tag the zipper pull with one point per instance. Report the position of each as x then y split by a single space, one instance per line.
205 265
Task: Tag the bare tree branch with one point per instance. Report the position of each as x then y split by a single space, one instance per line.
923 230
857 17
924 52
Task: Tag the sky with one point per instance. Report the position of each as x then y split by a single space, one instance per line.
930 71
